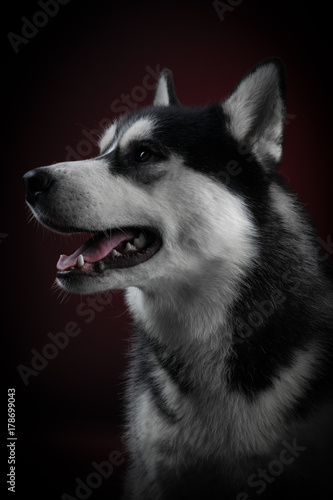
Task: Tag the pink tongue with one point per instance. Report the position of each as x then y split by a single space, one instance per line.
94 249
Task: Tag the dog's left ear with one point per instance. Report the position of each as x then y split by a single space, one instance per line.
165 91
255 111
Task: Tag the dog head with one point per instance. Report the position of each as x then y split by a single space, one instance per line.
167 197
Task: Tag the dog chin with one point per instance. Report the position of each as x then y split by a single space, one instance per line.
83 285
88 283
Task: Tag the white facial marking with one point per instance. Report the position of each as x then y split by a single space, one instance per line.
141 129
107 138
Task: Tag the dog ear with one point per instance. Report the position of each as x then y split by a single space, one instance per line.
165 91
255 111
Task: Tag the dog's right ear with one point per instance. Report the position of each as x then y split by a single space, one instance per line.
165 91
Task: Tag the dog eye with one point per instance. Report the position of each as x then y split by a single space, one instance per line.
143 155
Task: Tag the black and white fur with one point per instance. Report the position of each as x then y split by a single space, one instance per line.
232 356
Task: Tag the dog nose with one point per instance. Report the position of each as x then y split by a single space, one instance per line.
37 182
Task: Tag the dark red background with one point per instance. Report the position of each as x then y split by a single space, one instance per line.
63 82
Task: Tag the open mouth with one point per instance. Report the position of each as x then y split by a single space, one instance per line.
112 249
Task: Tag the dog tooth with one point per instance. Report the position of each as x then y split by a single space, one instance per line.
141 241
114 253
129 247
80 261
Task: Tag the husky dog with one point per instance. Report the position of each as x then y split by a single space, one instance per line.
229 391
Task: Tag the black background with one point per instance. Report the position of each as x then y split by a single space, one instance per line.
63 82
